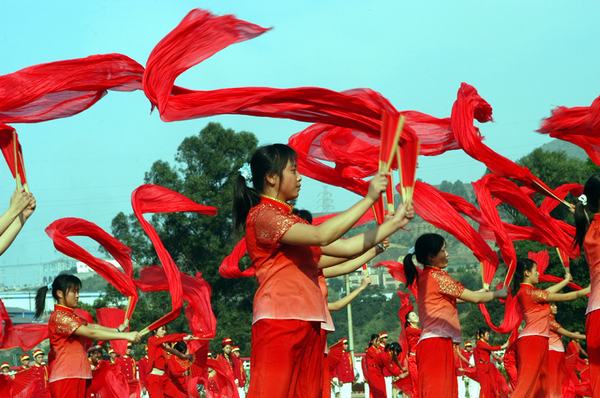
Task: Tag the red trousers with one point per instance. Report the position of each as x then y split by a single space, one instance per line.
286 359
532 363
437 373
486 379
162 386
68 388
592 331
556 374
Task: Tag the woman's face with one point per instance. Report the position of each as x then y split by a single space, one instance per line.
413 317
486 336
70 298
533 276
289 185
553 309
440 260
161 331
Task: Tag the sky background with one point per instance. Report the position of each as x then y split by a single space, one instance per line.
524 58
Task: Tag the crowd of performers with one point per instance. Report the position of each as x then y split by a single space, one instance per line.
291 315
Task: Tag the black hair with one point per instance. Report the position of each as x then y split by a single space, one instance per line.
426 246
304 214
268 159
63 282
181 347
395 349
481 331
591 190
161 326
373 338
523 264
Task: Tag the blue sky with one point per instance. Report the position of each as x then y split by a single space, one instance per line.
524 57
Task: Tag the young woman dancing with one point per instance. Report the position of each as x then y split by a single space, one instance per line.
440 327
68 365
288 308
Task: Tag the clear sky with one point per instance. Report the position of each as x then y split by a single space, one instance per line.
524 57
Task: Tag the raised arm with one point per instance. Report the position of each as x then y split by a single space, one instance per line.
557 287
21 207
334 228
351 265
554 297
341 303
95 333
572 335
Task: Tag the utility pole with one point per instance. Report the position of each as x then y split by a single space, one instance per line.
326 200
350 328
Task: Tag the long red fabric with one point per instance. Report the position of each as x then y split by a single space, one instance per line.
25 336
112 318
151 198
12 152
579 125
196 293
61 230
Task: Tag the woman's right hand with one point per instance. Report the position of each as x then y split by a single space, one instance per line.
377 185
20 200
404 214
134 337
501 293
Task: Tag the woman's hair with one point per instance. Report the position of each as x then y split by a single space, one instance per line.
162 326
268 159
373 338
591 190
63 282
427 245
481 331
523 264
304 214
181 347
395 349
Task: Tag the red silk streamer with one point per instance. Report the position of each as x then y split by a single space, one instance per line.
113 318
9 141
549 203
223 381
64 88
195 291
25 336
542 259
512 316
469 106
156 199
62 229
230 266
396 271
578 125
492 218
409 152
431 206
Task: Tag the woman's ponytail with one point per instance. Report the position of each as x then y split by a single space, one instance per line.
244 198
410 269
588 201
40 301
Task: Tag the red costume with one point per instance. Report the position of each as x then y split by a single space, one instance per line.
238 371
143 367
288 307
160 385
510 364
486 370
440 329
40 374
69 368
532 345
344 370
412 338
127 367
591 247
378 365
557 371
371 361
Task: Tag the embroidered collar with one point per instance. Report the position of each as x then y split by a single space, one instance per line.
62 308
277 202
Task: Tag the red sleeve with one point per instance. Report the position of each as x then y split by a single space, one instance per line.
539 295
271 225
65 323
448 286
170 338
554 326
386 362
485 346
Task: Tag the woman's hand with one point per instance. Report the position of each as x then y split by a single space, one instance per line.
122 327
377 185
501 293
404 214
366 281
134 337
20 200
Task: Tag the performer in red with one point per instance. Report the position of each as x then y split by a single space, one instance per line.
127 367
158 383
587 235
413 333
344 371
486 370
382 361
532 345
239 371
288 306
180 367
143 369
69 368
40 372
557 370
364 365
25 360
510 363
440 327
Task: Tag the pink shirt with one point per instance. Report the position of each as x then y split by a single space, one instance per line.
554 342
533 304
591 247
438 292
67 358
287 275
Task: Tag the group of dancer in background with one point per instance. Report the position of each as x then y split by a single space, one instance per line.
291 316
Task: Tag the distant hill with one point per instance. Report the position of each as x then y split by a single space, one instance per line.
563 146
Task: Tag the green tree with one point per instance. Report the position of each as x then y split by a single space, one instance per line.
204 170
